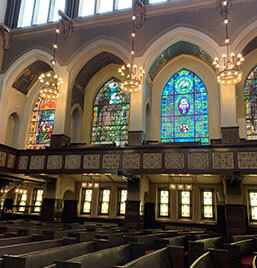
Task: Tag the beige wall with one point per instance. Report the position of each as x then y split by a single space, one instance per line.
95 201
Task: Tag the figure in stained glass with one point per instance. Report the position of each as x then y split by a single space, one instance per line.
184 109
110 115
41 124
250 96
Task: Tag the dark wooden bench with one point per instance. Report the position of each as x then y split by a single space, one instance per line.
83 236
199 247
47 257
34 246
106 258
241 252
20 240
214 258
148 239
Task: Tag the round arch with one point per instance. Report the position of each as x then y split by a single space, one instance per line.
103 44
180 34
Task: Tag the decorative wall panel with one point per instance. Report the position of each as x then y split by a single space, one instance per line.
198 161
54 162
131 161
11 161
223 160
111 161
174 160
2 159
73 161
247 160
37 162
91 161
152 161
23 162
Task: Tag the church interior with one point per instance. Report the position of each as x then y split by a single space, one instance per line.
128 133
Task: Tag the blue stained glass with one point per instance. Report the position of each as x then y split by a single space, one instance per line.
184 109
250 97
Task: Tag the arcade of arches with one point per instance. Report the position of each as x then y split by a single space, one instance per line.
181 151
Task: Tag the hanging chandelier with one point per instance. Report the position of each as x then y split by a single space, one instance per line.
229 67
132 76
50 86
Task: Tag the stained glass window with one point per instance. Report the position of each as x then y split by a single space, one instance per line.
185 204
250 96
105 201
207 204
86 201
37 200
253 205
41 124
110 115
22 200
164 196
122 201
184 109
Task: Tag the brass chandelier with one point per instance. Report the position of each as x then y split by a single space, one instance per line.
132 76
229 67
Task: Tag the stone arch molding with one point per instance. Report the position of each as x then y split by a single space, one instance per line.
87 53
180 34
244 37
24 61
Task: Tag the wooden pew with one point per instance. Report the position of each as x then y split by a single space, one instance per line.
106 258
83 236
241 252
161 258
47 257
149 239
254 263
34 246
199 247
20 240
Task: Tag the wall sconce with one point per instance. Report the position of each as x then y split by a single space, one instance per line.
189 187
173 186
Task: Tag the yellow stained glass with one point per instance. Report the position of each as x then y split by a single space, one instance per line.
23 201
164 210
207 197
185 211
253 199
122 208
106 195
185 197
88 195
253 205
208 211
123 199
105 208
87 207
164 197
124 195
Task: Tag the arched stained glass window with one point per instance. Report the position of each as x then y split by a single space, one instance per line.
250 96
110 115
184 109
41 124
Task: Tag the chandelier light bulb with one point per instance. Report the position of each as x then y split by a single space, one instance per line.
225 3
55 46
50 86
226 21
227 41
